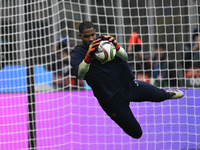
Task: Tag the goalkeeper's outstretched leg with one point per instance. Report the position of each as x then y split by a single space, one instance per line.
142 91
122 115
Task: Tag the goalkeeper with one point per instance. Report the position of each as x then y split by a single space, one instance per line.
113 83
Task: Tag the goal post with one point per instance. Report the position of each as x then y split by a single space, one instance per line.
43 106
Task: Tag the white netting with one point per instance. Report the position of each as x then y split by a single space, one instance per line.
39 34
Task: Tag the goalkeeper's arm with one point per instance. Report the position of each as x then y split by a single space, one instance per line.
121 53
83 69
85 64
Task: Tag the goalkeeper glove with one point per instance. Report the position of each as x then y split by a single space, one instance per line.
111 39
92 49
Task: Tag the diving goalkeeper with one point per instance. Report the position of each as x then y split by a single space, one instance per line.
113 83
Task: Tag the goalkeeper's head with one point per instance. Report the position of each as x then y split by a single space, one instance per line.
87 32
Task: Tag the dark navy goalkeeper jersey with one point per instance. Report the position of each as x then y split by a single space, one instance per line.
106 80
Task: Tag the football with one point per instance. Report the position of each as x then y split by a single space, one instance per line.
106 51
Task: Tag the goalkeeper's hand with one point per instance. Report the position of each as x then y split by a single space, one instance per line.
111 39
92 49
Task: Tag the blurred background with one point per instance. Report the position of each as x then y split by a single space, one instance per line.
36 37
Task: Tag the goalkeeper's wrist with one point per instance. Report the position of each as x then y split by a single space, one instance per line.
117 47
121 53
87 59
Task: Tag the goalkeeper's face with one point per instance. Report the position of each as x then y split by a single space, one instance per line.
88 36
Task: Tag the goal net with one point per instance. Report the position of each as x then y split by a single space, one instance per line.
43 106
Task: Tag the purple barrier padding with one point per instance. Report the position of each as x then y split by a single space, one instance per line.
13 121
74 120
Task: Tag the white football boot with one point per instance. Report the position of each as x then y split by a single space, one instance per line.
175 94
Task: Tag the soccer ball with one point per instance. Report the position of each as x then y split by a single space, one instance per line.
106 51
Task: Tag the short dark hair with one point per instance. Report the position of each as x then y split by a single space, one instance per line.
85 25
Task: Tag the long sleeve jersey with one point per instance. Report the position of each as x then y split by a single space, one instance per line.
106 80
